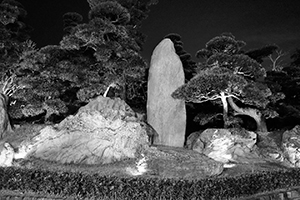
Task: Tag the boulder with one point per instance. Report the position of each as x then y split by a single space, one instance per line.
6 154
193 141
225 145
104 131
291 146
269 146
165 114
175 162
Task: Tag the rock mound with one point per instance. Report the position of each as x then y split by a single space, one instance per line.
225 145
104 131
291 146
175 162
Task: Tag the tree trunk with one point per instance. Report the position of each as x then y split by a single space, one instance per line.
262 126
251 112
225 109
5 126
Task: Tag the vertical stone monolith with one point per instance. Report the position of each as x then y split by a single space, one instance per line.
5 126
165 114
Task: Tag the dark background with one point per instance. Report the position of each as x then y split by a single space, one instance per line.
257 22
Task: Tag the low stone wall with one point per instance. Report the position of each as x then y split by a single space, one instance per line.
283 194
12 195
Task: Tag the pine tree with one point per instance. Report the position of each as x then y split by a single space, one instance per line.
13 32
70 20
232 78
14 37
287 82
58 79
108 37
188 64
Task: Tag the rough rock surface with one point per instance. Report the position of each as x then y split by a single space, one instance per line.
6 155
103 131
5 126
174 162
225 145
165 114
269 146
291 146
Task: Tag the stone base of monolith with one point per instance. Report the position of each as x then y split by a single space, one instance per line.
5 126
165 114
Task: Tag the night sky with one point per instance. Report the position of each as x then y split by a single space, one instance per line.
257 22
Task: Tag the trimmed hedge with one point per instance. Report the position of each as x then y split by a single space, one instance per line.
68 184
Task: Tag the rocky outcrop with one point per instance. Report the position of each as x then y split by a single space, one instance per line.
175 162
291 146
165 114
104 131
6 155
269 147
225 145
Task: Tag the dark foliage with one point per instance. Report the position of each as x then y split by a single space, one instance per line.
296 58
231 77
259 54
13 32
70 20
287 82
57 79
188 64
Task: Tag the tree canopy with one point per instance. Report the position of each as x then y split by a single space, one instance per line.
232 78
189 66
58 79
13 32
287 81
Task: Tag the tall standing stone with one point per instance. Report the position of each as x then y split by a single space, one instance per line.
165 114
5 127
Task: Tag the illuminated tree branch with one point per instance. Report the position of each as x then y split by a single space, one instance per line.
277 59
228 74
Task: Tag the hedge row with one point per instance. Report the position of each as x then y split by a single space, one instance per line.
96 187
